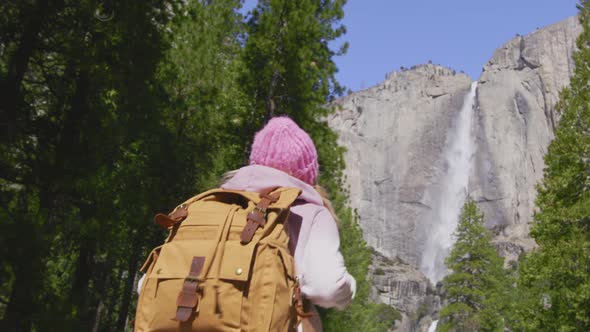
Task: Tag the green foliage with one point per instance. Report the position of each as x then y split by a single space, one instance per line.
477 286
116 110
289 62
362 315
556 276
76 158
204 105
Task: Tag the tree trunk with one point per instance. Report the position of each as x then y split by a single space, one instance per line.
21 306
28 268
11 102
128 291
97 317
270 101
81 294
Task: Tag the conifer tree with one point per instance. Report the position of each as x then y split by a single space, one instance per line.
289 62
117 110
556 276
477 283
205 106
79 112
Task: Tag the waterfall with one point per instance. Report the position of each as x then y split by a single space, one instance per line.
432 327
453 191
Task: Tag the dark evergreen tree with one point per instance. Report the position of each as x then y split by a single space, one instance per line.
205 105
476 287
78 109
289 62
112 111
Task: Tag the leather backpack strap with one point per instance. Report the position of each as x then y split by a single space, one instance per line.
176 216
257 217
188 298
312 323
301 305
279 199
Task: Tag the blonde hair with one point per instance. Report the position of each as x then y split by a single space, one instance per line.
327 203
227 176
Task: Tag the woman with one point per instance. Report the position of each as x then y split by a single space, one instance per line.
283 155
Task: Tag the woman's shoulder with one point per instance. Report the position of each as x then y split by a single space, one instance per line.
314 208
312 213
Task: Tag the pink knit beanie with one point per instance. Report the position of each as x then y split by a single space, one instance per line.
281 144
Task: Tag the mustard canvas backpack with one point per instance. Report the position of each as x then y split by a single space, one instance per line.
225 266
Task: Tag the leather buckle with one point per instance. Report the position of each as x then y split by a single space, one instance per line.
187 299
257 217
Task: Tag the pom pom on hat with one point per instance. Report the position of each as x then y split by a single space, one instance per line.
281 144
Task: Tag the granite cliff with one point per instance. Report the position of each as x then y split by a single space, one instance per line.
397 134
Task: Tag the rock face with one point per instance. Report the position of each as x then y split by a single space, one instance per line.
406 289
395 134
516 120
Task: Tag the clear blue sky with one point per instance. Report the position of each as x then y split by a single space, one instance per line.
461 34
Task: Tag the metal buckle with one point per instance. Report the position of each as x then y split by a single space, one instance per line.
192 279
259 209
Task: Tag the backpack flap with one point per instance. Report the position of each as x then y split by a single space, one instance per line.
237 259
288 196
174 263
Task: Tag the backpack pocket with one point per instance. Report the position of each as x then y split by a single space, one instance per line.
234 272
221 292
164 283
144 303
270 288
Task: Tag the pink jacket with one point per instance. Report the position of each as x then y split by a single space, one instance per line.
314 234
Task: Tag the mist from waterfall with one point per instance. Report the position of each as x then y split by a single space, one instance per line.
447 206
